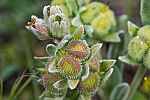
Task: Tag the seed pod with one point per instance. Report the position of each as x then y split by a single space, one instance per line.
94 65
144 33
48 80
70 67
89 85
146 59
79 49
38 27
137 48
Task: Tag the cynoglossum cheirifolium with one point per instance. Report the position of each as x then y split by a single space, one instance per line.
71 65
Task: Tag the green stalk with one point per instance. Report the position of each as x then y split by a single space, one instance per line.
136 81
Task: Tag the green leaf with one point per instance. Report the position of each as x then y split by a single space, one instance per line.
94 49
106 64
61 84
76 21
144 11
120 92
50 49
72 6
88 30
73 83
139 96
58 50
85 97
79 32
132 29
41 69
86 74
52 68
112 37
106 76
43 60
127 59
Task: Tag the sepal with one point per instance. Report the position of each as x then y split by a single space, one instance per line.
132 29
127 59
43 60
106 64
94 49
73 83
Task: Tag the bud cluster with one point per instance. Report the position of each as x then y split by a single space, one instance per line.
54 24
138 47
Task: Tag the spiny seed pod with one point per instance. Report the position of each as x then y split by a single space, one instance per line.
49 78
94 64
56 20
144 33
38 27
70 67
137 48
89 85
146 59
79 49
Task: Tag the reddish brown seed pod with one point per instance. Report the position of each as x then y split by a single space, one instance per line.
79 49
70 67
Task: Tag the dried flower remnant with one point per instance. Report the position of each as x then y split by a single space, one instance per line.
38 27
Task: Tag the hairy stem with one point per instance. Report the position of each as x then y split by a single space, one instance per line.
136 81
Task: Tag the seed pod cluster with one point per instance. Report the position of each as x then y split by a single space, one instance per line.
139 45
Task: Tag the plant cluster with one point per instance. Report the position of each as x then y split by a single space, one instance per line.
74 64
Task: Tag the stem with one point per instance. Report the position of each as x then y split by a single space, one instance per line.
136 81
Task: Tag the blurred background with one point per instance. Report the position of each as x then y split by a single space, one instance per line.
18 46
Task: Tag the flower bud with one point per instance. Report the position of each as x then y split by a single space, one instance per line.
137 48
144 33
56 20
70 67
89 85
38 27
92 10
104 22
79 49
